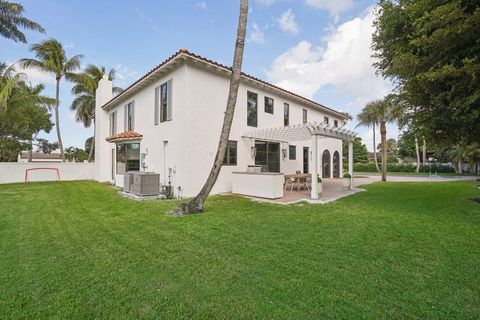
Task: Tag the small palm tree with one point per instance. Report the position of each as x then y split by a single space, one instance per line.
386 111
11 19
85 85
51 57
367 118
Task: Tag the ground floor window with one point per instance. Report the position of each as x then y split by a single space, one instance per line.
268 156
292 152
231 154
128 157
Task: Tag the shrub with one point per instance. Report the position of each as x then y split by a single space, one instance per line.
405 167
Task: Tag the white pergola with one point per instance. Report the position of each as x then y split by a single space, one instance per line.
308 131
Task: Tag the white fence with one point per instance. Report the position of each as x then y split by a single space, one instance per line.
11 172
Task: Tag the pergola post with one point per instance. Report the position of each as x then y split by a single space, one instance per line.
314 192
350 162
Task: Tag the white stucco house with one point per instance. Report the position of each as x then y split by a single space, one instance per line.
169 122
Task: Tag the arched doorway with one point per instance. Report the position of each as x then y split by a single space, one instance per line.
336 164
326 164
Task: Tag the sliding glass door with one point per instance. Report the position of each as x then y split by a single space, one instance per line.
268 156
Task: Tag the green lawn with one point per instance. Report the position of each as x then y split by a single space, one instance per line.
76 250
414 174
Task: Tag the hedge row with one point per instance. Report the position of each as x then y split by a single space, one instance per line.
404 167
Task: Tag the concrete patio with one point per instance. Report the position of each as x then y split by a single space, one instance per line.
333 189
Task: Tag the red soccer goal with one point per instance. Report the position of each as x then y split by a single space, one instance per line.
34 169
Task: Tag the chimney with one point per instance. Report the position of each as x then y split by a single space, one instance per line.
103 153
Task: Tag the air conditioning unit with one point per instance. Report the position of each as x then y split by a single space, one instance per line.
146 184
128 181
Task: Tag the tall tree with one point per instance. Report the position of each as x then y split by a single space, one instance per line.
12 20
51 57
85 85
367 118
360 152
386 111
196 204
23 113
431 51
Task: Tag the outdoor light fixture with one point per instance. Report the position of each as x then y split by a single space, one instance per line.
253 151
284 153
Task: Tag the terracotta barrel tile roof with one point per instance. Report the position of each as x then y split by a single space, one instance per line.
187 53
125 135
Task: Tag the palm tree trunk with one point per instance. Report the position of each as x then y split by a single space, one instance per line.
57 119
417 170
30 151
424 152
92 145
383 134
375 149
196 204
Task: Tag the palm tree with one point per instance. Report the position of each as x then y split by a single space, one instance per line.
11 19
85 85
51 57
196 204
386 111
9 80
367 118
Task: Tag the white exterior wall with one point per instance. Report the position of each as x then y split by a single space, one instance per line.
154 136
198 103
11 172
207 96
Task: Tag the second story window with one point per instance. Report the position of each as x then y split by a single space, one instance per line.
326 120
268 105
166 101
251 109
113 123
286 114
305 116
335 123
130 116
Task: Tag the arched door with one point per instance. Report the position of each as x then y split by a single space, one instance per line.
336 164
326 164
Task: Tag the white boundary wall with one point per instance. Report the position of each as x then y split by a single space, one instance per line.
11 172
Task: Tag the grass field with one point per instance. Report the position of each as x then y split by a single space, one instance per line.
414 174
76 250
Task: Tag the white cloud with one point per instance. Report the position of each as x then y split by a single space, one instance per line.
124 75
344 64
257 36
334 7
266 3
287 22
35 76
202 5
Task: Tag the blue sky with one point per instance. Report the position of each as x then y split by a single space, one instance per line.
318 48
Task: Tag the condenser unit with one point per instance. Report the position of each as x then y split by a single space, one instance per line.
146 184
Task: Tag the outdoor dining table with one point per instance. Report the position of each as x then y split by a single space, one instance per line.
299 178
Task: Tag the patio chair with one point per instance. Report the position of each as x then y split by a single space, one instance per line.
308 183
289 181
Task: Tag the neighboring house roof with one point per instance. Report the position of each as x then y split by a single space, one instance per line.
187 54
40 155
127 135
